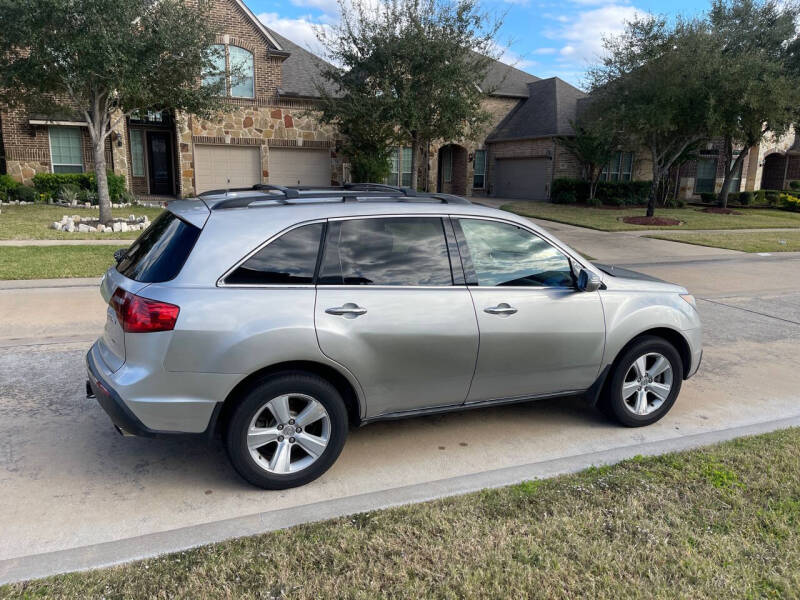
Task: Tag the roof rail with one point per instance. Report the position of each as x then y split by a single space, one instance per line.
287 192
380 187
259 187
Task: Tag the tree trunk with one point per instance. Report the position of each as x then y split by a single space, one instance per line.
651 201
726 184
414 151
594 180
103 197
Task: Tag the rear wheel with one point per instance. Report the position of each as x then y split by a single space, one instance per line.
644 383
287 431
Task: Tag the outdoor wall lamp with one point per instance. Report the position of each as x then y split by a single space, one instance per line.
471 156
117 138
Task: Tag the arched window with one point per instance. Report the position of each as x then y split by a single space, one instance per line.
216 73
242 73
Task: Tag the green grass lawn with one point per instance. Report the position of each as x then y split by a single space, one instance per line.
763 241
32 222
51 262
720 522
691 217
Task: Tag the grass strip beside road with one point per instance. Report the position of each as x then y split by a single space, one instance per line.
32 222
720 522
53 262
691 217
762 241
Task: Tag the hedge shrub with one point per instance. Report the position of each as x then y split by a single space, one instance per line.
795 185
7 187
790 202
50 184
746 198
615 193
25 193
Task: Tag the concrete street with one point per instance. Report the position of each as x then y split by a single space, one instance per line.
68 480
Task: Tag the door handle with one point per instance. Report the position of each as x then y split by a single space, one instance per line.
347 310
500 309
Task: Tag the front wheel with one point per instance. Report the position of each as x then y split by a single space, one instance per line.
644 384
287 431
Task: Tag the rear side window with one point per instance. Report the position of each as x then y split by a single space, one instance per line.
407 251
290 259
159 253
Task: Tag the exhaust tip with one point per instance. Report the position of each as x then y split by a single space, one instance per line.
89 391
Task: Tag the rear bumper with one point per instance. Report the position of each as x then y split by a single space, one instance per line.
120 415
168 416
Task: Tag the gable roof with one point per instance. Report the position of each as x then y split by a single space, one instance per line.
258 24
548 110
504 80
301 70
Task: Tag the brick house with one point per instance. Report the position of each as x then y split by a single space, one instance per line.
265 135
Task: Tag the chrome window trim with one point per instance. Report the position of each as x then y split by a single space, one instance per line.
221 280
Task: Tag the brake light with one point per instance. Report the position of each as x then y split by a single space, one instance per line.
142 315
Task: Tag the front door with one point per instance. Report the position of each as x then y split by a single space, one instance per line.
388 311
538 334
159 154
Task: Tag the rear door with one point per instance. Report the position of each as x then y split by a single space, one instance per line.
538 334
388 310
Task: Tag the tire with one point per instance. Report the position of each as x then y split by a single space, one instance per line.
273 461
643 402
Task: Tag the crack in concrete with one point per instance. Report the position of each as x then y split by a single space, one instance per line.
755 312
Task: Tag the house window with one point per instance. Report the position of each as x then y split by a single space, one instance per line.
619 168
137 153
216 74
244 84
479 176
706 176
227 59
66 149
401 167
447 165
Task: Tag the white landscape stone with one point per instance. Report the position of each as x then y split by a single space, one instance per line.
117 226
70 227
55 225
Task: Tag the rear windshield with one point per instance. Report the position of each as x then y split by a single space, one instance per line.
159 253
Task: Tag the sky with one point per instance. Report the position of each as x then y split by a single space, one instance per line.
543 37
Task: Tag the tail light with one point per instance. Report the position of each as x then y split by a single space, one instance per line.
142 315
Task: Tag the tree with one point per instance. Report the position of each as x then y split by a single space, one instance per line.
421 61
593 146
104 60
654 85
756 92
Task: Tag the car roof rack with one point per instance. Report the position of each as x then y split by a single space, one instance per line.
261 194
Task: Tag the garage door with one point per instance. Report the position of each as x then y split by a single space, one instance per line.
521 178
223 167
292 166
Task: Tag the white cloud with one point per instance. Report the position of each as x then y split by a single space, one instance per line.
583 35
299 30
545 51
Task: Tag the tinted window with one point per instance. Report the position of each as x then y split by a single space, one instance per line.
392 251
159 253
504 254
290 259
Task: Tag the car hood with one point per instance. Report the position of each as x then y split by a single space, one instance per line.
619 278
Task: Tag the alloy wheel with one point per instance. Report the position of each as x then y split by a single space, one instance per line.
288 433
647 384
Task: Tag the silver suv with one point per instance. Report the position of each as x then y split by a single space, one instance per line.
279 317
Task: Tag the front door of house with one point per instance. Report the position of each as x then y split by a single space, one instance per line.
159 151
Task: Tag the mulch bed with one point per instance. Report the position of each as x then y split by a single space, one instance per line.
652 221
718 210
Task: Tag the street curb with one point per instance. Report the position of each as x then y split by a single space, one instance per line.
112 553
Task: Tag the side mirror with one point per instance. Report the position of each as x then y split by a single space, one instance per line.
120 254
588 281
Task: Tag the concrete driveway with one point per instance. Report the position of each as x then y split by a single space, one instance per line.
75 494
